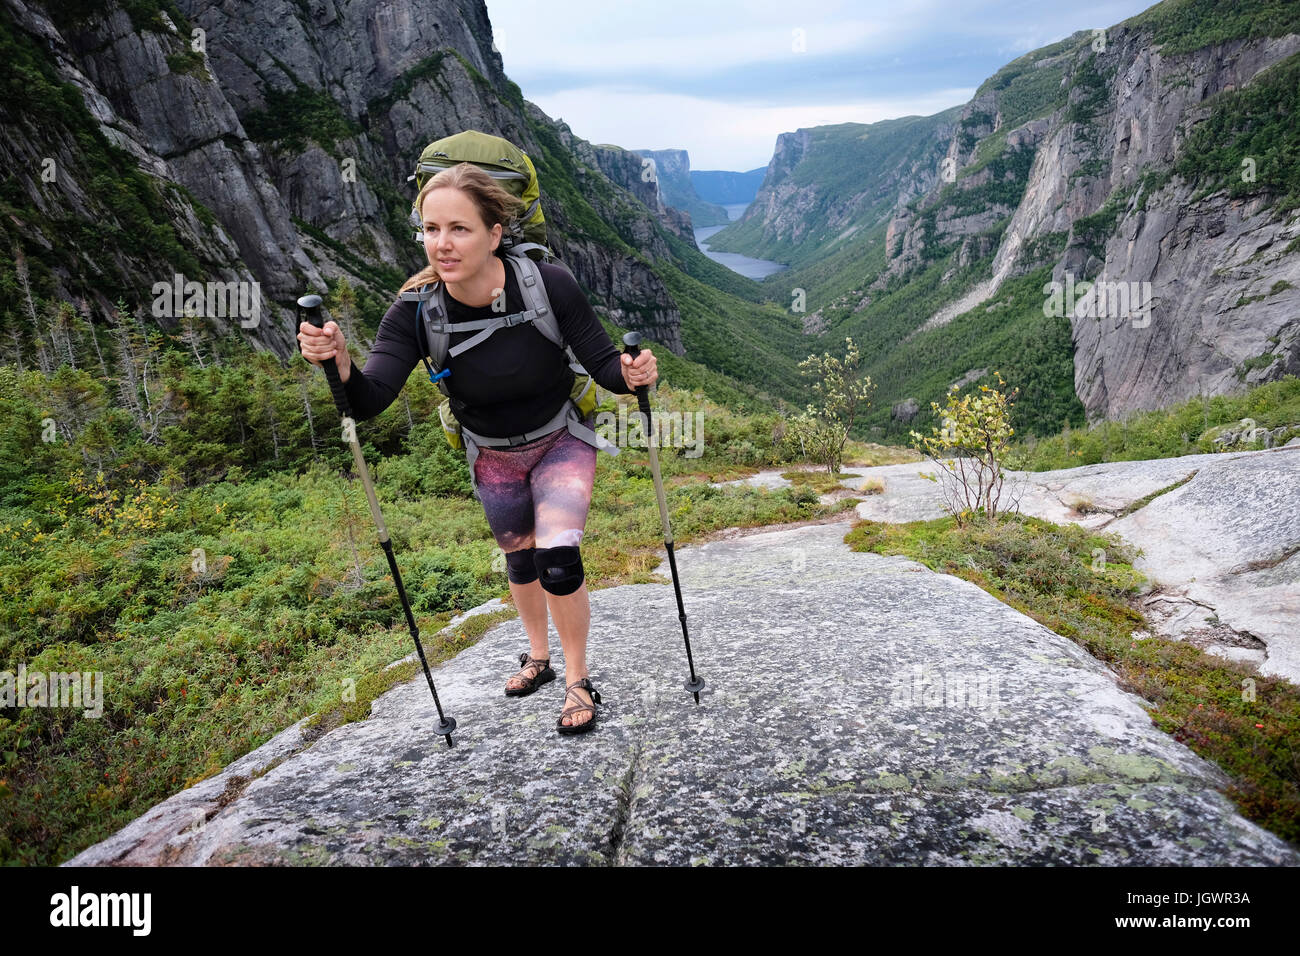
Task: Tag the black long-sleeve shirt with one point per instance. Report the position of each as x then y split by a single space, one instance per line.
513 382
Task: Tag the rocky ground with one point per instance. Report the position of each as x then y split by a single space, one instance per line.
859 709
1222 549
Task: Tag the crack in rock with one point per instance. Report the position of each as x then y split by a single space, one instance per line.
623 808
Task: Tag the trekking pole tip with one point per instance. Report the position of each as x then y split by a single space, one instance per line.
445 726
695 685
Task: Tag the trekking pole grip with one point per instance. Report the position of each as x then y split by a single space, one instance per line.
632 347
309 306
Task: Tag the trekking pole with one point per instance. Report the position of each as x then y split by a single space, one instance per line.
310 304
632 346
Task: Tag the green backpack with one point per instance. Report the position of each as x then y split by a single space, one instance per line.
522 246
504 162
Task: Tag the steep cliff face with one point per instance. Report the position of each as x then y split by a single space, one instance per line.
180 130
628 169
1070 157
672 173
276 142
610 179
781 203
344 100
1225 304
966 211
1224 287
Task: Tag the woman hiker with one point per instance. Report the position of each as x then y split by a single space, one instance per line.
536 494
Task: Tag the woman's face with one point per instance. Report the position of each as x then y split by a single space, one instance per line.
455 239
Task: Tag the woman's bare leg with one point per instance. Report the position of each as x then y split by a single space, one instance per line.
572 614
530 599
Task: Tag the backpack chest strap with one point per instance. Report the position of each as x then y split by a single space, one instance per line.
432 319
487 327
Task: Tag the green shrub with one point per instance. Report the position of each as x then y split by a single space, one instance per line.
1183 429
968 450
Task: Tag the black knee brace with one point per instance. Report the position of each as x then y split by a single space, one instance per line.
521 567
560 569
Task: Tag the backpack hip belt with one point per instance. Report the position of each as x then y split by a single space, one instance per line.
566 416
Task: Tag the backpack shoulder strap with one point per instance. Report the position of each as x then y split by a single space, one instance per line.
533 289
432 322
431 325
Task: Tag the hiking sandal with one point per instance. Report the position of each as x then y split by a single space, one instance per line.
531 681
585 726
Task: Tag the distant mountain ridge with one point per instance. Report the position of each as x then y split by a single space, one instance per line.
725 187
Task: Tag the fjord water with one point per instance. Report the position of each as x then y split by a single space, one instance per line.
753 268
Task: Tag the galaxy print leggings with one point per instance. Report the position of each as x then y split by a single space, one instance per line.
537 494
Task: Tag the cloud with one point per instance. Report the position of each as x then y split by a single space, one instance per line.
682 36
691 53
721 79
719 135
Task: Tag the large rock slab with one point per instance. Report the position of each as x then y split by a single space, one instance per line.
1221 550
859 709
1227 547
1090 495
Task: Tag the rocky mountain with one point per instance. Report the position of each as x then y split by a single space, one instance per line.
823 185
160 141
1148 169
271 142
672 171
628 169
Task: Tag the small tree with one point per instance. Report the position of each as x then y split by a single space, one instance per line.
345 515
824 429
968 448
343 306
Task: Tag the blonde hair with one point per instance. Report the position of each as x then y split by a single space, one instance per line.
495 205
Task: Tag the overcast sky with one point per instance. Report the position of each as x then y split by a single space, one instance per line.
721 78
